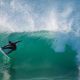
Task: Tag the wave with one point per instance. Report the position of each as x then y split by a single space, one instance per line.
36 57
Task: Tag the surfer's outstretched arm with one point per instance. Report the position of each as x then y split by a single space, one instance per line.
17 42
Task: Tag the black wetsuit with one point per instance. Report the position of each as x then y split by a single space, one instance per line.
11 46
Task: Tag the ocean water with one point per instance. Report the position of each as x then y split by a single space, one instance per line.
37 59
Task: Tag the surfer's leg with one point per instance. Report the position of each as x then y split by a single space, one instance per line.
4 47
7 47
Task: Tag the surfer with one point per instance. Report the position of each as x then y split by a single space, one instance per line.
12 46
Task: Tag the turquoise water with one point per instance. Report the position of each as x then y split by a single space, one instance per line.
36 59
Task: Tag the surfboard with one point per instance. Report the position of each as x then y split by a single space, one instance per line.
4 53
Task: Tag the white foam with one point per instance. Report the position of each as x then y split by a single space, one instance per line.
19 18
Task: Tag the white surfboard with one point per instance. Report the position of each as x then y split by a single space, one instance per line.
4 53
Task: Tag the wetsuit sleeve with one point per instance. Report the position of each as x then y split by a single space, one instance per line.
17 42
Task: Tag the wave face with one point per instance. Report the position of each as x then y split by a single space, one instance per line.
35 59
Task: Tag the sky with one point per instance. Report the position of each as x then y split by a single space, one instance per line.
35 15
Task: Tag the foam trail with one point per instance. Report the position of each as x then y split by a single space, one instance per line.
6 75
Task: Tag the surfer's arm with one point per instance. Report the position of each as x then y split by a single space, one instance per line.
17 42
